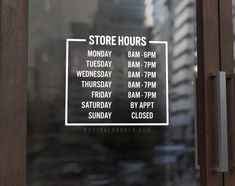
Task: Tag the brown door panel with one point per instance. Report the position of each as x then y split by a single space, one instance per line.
13 91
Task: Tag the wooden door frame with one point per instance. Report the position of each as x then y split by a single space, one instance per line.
227 65
208 62
215 53
13 91
214 33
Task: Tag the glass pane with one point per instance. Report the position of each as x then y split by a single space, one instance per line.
111 62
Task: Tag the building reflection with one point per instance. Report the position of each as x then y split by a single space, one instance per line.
60 156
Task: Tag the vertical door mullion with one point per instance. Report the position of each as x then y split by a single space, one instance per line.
227 65
208 62
13 91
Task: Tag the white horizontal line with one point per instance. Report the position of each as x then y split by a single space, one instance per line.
116 124
158 42
77 40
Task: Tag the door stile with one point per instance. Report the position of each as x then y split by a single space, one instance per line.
208 62
13 91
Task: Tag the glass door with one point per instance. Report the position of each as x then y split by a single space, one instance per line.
63 90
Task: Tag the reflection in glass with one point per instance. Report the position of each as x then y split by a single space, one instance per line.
60 156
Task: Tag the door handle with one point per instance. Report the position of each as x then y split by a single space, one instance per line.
222 164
